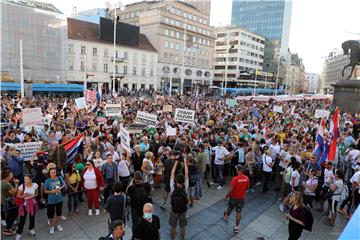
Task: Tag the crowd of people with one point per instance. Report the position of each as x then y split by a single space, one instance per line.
249 142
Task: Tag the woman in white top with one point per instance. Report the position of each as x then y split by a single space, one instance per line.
310 187
336 188
148 168
123 168
267 162
28 192
295 177
98 161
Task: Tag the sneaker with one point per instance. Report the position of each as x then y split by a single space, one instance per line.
90 212
162 206
281 208
258 184
208 184
18 237
220 187
236 230
15 222
3 223
8 232
52 230
63 218
32 232
59 228
97 212
226 217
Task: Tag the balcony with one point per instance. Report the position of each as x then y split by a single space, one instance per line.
119 59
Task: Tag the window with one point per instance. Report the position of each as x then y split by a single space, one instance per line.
83 50
106 53
71 66
234 34
235 42
205 21
232 59
71 48
194 28
126 56
134 71
177 46
116 69
125 69
82 66
143 60
151 72
231 67
116 54
132 14
166 44
171 45
219 35
177 35
172 34
194 18
200 20
134 57
105 68
137 13
166 32
233 50
94 67
219 67
177 23
172 21
143 72
220 59
94 51
166 20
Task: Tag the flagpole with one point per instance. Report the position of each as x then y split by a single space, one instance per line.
21 71
85 76
183 63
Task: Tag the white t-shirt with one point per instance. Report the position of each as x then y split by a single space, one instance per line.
123 169
356 179
99 162
220 154
90 179
337 194
29 190
328 176
295 174
267 161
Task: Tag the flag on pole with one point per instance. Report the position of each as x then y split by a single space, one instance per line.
256 112
72 146
196 106
333 135
319 141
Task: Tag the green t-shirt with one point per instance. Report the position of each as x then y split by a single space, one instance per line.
80 167
5 188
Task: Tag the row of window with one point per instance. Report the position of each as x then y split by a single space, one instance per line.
241 68
187 26
241 60
130 15
192 39
242 51
242 43
189 60
106 69
235 59
189 16
243 34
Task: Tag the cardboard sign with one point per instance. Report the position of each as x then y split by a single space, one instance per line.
167 108
125 139
277 109
184 115
112 110
170 131
136 127
231 102
146 118
27 150
80 103
32 117
319 113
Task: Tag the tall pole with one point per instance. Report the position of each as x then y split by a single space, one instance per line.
277 76
255 83
226 57
22 90
113 80
85 75
183 63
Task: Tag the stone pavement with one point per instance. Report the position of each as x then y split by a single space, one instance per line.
260 218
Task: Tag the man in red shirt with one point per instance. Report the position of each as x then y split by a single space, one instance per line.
236 195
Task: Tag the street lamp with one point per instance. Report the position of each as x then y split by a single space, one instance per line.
114 7
226 60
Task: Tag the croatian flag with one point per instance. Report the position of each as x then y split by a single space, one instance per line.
333 135
196 102
96 105
256 112
319 141
73 146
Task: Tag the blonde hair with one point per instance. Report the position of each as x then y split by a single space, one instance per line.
148 155
298 198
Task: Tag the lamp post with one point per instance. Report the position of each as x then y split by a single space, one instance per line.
226 61
114 7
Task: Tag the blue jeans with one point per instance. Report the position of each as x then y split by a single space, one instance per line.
219 174
198 186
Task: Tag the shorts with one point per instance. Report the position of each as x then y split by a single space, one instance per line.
167 185
238 204
51 210
191 191
174 217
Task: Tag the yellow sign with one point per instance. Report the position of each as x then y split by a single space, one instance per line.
266 74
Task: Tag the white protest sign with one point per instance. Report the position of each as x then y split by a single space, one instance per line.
184 115
231 102
277 109
146 118
167 108
319 113
125 139
32 116
27 149
80 103
170 131
112 110
136 127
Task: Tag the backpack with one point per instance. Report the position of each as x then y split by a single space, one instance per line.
179 200
344 194
309 219
140 197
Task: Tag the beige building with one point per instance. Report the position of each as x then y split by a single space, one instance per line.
183 38
296 82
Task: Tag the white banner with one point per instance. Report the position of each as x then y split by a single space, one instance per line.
146 118
125 139
170 131
136 127
319 113
278 109
112 110
27 149
184 115
80 103
231 102
32 116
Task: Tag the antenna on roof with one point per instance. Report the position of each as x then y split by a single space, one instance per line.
74 13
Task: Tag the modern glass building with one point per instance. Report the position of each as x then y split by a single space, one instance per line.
269 18
43 31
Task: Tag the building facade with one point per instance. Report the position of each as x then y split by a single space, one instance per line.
92 58
296 82
237 51
42 29
183 38
314 80
270 19
92 15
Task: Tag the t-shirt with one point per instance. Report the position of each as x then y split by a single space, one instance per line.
147 230
29 190
295 174
80 167
90 179
115 207
168 164
337 194
310 183
267 161
52 184
123 169
310 165
5 188
240 184
99 162
328 176
74 177
220 154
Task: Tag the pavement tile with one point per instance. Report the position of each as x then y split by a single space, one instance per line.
265 225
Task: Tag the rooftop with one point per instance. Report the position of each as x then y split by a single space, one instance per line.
87 31
33 4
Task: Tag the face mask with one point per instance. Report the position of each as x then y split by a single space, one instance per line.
148 216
